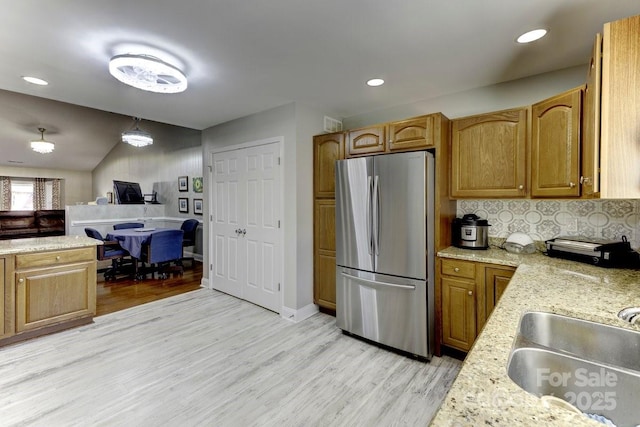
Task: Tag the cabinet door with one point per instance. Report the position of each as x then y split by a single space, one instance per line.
324 256
488 155
56 294
620 110
326 150
412 134
3 299
496 281
555 145
590 178
458 313
366 141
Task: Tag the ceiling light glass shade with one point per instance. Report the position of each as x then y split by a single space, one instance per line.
42 146
137 137
147 73
531 36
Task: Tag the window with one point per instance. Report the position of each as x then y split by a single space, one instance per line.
22 194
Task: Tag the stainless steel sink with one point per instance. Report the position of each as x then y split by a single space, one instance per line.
590 340
590 386
593 366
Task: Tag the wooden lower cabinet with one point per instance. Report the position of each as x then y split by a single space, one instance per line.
46 296
458 312
324 254
46 291
6 298
468 293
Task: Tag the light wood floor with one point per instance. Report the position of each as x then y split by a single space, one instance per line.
204 358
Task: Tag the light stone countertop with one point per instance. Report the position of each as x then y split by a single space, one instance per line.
482 393
41 244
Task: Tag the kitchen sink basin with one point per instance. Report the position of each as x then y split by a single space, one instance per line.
585 339
593 366
592 387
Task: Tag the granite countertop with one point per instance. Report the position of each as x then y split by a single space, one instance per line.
482 393
40 244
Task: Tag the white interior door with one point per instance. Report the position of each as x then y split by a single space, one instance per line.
228 187
247 249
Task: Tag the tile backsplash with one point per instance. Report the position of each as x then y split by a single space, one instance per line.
545 219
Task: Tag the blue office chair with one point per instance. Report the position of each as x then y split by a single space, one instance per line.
189 227
164 247
128 225
109 250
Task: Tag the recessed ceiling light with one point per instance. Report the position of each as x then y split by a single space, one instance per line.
35 80
531 36
375 82
147 73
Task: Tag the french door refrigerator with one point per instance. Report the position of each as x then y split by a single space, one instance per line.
385 250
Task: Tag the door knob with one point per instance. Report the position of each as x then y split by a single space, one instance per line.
244 231
238 231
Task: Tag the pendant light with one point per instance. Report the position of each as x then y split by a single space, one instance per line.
137 137
42 146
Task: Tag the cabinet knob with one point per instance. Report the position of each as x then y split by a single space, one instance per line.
470 293
456 269
572 184
58 258
21 281
520 187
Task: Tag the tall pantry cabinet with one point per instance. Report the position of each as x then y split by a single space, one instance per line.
326 150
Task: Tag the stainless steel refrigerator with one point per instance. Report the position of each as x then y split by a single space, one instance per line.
385 250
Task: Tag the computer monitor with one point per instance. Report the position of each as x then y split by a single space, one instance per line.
128 193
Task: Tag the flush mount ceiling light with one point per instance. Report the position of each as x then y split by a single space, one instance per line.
35 80
137 137
375 82
147 73
42 146
532 35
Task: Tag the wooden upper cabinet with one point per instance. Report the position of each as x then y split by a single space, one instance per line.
590 162
488 155
412 134
366 141
620 110
327 149
555 145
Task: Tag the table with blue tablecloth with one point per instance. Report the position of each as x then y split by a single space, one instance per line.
133 239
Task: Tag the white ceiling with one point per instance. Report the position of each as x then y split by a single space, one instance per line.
245 56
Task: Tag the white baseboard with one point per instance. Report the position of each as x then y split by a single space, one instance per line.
205 283
300 314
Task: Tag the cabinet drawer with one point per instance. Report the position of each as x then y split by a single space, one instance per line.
42 259
459 268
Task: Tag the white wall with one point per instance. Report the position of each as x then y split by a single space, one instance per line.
501 96
175 152
76 186
296 125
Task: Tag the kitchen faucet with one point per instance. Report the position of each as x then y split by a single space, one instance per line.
630 314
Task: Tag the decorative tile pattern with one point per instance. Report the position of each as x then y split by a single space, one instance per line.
546 219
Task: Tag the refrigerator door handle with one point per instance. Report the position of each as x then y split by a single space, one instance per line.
374 282
368 213
376 216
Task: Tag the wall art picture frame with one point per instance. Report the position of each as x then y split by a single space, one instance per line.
110 197
183 205
198 184
183 183
197 206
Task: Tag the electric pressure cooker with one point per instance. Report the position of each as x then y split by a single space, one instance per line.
470 232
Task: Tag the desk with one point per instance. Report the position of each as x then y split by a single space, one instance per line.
132 239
